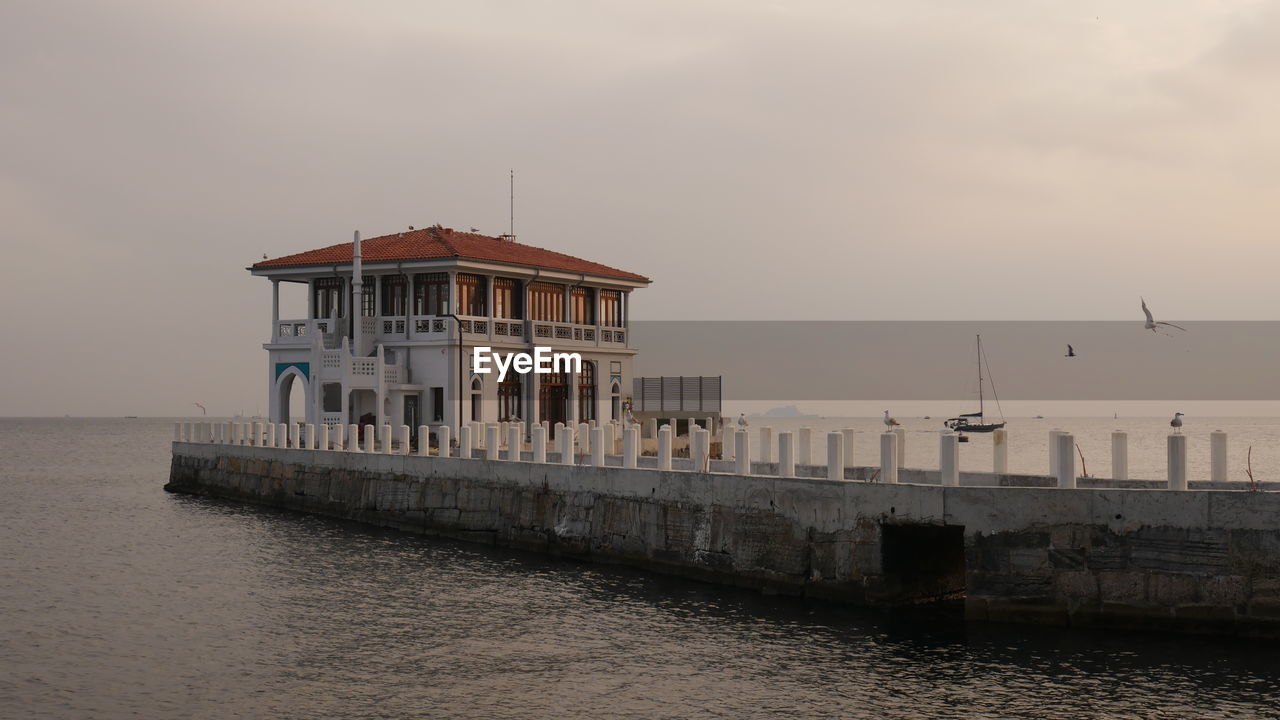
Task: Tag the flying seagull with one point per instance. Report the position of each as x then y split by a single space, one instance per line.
1151 322
890 422
1070 352
1176 422
202 410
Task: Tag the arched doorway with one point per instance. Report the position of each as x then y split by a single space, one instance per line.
509 391
615 401
291 397
476 400
553 398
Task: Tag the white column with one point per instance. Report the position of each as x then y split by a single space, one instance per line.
889 457
353 437
565 436
804 446
949 458
270 436
502 432
539 443
902 446
324 437
339 441
1218 456
786 455
275 309
513 442
630 445
311 437
699 449
386 439
835 456
848 447
742 452
1000 451
464 442
491 442
424 441
597 446
728 451
1066 455
1177 461
766 444
284 436
369 438
1053 451
585 437
1119 455
405 434
444 438
664 447
187 433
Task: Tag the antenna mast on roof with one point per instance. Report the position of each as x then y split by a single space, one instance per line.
511 235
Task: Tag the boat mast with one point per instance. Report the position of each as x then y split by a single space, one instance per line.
981 409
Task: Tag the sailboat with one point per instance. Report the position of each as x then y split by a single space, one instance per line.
977 422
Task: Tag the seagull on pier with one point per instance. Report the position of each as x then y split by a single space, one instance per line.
1176 422
1070 352
890 422
1151 322
742 420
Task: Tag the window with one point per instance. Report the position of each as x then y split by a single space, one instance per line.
437 404
394 295
611 308
367 295
509 399
546 302
471 292
328 297
331 397
430 293
506 298
587 392
583 306
476 415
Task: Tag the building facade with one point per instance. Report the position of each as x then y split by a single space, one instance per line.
392 322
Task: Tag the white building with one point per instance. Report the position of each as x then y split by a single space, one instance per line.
424 299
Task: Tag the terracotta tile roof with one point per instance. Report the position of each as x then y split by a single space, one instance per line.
439 242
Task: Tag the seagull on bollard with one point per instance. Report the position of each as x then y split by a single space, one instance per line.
742 420
1151 322
890 422
1176 422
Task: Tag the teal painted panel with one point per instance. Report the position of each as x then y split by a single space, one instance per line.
303 367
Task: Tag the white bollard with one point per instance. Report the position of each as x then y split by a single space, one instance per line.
242 433
514 441
311 436
424 441
228 433
464 442
1000 451
1177 461
1218 456
1119 455
804 446
728 447
491 442
369 438
565 437
503 435
630 446
902 446
324 437
405 438
386 439
889 456
597 446
477 434
848 447
269 436
353 437
1053 451
742 452
766 444
444 441
584 437
835 456
949 459
651 428
282 435
1066 456
786 455
187 432
539 443
664 447
335 435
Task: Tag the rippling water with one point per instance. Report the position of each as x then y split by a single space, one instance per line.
120 600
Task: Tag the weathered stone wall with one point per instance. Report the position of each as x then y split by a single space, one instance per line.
1193 560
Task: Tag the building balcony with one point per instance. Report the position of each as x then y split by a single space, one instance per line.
302 332
497 330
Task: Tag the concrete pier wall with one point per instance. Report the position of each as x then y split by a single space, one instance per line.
1193 560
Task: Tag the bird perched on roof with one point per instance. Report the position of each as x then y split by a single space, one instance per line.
1071 352
890 422
1176 422
1151 322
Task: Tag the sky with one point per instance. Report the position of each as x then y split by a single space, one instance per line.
800 160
